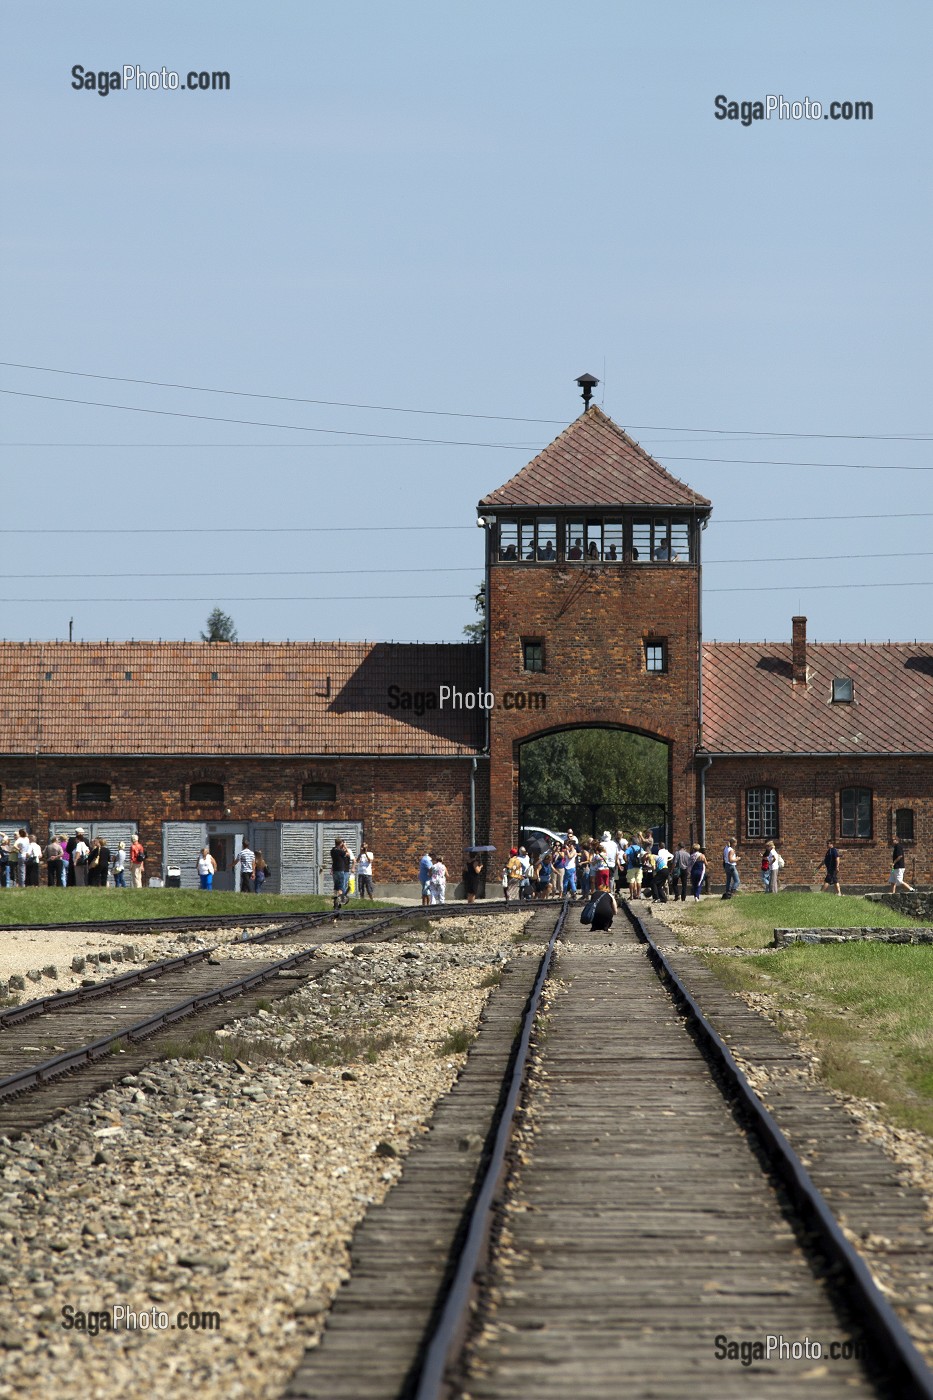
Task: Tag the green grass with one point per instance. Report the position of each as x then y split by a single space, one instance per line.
339 1049
749 920
866 1007
45 906
457 1041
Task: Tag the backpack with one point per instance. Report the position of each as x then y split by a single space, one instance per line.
587 912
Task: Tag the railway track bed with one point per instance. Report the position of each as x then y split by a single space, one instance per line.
645 1234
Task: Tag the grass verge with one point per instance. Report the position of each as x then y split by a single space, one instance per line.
749 920
55 906
866 1009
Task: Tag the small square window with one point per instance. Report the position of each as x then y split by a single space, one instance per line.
215 675
656 654
127 675
48 675
843 690
533 653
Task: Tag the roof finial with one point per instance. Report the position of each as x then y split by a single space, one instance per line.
587 383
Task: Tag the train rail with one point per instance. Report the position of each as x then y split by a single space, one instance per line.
84 1025
658 1203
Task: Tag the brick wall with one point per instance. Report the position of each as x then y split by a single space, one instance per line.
404 806
595 673
808 813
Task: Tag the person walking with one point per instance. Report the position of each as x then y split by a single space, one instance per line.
260 871
633 869
246 861
680 872
137 861
697 872
897 879
570 872
730 864
424 877
364 873
340 863
830 863
98 863
207 868
472 870
4 861
438 884
119 867
66 862
513 872
775 864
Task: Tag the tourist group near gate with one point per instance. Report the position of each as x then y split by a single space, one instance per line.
592 605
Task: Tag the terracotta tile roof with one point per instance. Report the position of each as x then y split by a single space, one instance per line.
751 705
269 698
594 463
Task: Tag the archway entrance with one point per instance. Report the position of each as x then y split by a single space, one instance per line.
595 780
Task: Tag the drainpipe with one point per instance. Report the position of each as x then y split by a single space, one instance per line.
703 772
473 802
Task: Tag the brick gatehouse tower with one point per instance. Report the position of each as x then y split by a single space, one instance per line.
593 606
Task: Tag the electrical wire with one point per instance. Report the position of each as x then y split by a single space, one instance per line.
446 413
253 423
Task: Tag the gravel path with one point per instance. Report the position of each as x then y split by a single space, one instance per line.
198 1187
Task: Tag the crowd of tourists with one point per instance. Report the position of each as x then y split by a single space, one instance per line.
68 861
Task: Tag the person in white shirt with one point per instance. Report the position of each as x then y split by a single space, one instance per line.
245 860
21 847
611 849
119 867
364 873
33 862
207 867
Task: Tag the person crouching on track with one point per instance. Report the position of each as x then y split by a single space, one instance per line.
604 913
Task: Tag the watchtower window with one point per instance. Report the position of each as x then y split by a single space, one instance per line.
613 537
508 539
546 544
656 654
660 540
208 794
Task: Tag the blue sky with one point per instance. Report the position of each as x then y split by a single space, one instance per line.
459 208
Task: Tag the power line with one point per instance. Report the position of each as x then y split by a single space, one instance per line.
446 413
280 398
256 573
252 423
768 462
250 598
812 587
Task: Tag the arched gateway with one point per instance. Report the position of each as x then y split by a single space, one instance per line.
593 607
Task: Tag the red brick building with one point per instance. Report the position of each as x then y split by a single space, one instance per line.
593 587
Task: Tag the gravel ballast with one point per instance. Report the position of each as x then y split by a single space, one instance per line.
231 1186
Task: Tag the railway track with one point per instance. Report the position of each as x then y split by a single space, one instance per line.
58 1049
653 1236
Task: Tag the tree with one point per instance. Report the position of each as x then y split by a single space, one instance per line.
606 777
220 627
476 631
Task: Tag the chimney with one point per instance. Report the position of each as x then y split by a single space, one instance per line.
799 650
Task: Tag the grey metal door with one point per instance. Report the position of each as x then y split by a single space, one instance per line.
267 838
181 846
299 858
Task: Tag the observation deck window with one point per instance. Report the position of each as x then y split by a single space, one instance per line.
660 539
